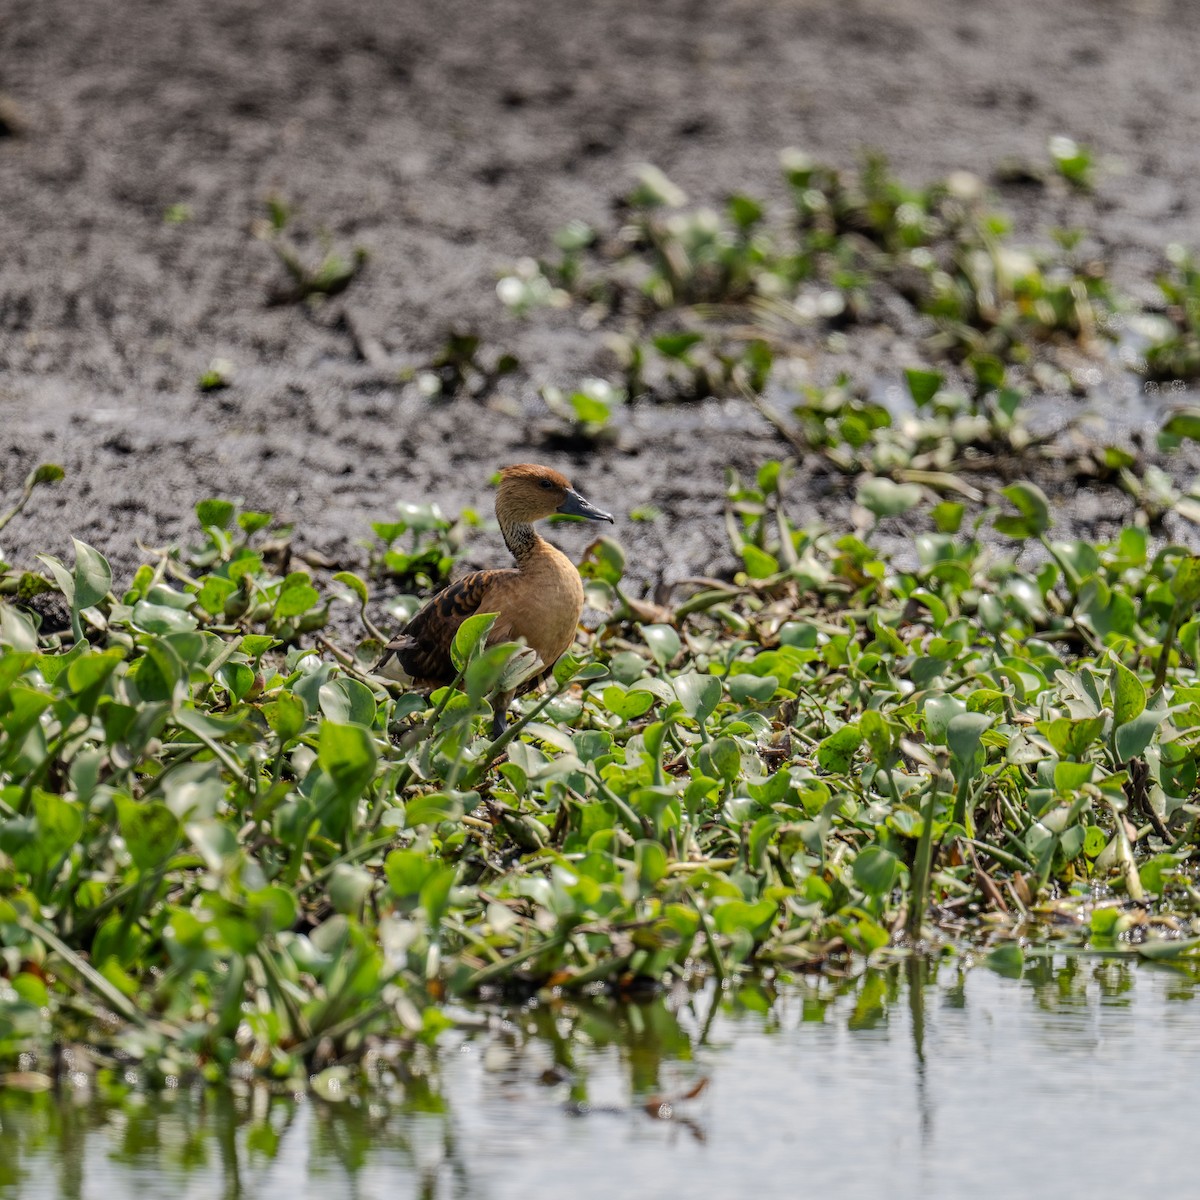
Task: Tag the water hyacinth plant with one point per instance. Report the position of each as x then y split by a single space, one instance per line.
226 845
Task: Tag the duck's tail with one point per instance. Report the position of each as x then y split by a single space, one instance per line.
389 664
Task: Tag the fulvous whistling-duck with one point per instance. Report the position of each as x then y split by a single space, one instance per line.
539 601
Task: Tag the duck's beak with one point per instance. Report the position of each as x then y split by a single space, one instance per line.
576 506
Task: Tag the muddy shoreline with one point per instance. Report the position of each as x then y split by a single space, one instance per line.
449 141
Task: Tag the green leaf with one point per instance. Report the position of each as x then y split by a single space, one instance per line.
1184 424
626 705
348 888
948 516
356 585
16 629
875 870
699 694
1072 739
1186 584
406 872
745 211
93 576
346 753
1134 736
836 752
939 712
296 599
215 842
650 861
885 498
720 759
1152 872
1007 960
1069 777
487 669
470 637
963 734
215 513
434 896
252 522
286 716
759 564
755 919
59 824
1030 501
663 642
214 592
923 385
255 645
150 829
45 473
63 577
676 345
988 371
161 619
589 410
346 701
272 909
1128 694
435 807
604 560
759 688
92 668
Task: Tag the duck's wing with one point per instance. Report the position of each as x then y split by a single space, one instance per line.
423 647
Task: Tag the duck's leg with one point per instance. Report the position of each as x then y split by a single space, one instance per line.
500 703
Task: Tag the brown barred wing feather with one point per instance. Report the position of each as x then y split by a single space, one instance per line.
423 646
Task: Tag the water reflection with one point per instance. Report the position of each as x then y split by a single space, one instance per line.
917 1079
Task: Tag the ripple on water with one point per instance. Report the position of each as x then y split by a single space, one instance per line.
882 1085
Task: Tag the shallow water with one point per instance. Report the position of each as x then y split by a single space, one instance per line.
1078 1079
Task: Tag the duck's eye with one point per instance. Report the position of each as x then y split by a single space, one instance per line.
547 485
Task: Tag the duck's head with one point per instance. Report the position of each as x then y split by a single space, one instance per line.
528 493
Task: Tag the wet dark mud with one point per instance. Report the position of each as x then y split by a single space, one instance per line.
449 140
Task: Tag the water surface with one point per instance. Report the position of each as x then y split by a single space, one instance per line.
1077 1079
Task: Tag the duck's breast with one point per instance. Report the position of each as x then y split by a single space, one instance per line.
543 605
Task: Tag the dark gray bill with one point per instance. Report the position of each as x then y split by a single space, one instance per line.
576 506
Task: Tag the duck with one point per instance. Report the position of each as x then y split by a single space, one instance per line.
538 601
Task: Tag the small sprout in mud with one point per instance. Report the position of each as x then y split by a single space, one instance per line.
41 475
216 376
419 548
528 288
177 214
588 411
331 275
646 512
279 212
1074 162
461 368
655 190
1174 350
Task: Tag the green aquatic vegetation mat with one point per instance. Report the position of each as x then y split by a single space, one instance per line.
226 844
698 300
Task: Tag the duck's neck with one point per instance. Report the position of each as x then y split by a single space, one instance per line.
521 539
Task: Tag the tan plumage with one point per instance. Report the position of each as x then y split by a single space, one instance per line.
539 601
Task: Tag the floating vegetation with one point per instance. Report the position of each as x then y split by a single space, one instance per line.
225 842
745 286
1175 352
